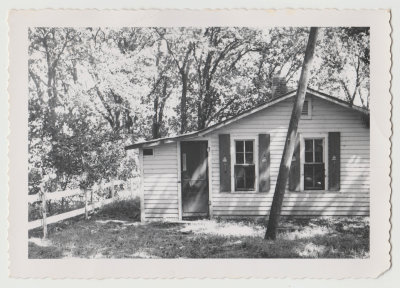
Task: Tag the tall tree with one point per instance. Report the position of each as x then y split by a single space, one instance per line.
216 57
344 68
239 66
108 72
290 142
180 44
91 90
67 138
51 72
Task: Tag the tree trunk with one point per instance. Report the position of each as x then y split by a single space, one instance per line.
184 76
155 128
291 138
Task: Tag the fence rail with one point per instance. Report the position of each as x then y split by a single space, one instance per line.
129 188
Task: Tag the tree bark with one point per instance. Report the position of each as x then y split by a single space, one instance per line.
159 104
291 138
184 77
155 129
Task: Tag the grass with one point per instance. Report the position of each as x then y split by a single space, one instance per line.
114 232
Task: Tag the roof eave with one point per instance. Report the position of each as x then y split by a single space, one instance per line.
338 101
157 142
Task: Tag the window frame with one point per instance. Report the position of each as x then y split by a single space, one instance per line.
147 156
303 137
254 139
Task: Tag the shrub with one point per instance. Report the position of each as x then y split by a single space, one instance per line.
123 209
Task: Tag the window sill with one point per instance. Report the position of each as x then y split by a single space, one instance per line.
314 191
244 192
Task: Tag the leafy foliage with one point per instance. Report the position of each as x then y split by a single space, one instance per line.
94 90
344 55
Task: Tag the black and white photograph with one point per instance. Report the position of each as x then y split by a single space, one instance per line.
204 141
168 142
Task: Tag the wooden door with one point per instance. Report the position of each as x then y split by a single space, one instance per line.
194 172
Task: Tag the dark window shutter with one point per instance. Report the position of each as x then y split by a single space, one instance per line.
263 162
225 162
294 172
334 161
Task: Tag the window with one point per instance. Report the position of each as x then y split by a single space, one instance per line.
314 166
306 111
244 165
147 152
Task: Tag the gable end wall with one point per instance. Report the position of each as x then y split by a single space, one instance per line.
160 173
353 196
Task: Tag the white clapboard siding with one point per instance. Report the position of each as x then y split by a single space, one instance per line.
160 183
161 201
321 212
353 197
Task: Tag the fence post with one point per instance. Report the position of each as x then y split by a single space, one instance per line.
100 191
86 203
131 186
112 189
44 212
62 204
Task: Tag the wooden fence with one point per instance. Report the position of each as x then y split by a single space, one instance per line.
129 188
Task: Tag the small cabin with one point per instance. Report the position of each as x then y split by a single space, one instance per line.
230 169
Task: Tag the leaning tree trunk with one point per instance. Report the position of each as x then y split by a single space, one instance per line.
155 128
291 138
184 102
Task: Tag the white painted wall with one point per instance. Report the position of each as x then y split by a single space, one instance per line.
353 197
160 172
160 183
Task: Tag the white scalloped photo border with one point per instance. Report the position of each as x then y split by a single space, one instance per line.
380 125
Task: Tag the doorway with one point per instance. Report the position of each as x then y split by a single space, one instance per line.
194 179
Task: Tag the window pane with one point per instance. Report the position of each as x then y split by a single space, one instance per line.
239 146
318 157
147 152
249 146
244 177
239 171
309 156
305 108
239 158
250 176
314 176
240 183
318 150
319 176
249 158
309 145
308 176
239 177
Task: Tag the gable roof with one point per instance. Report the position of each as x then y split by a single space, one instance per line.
159 141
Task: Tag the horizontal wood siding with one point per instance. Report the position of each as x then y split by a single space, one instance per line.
160 183
353 196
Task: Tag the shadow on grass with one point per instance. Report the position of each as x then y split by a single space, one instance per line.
40 252
114 232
